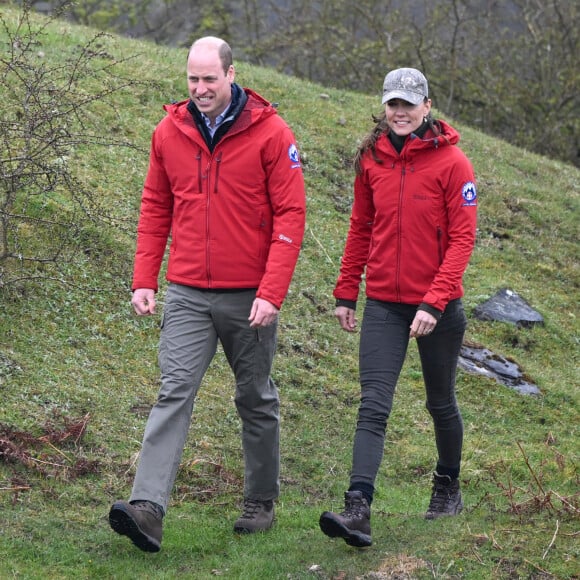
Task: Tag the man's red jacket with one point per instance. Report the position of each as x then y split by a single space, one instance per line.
413 222
235 214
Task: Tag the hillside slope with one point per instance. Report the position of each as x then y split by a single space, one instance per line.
76 364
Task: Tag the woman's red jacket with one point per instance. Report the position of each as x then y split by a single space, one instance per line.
413 222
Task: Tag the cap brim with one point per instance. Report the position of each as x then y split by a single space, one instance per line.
413 98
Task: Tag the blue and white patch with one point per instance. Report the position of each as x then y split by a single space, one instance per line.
469 193
294 155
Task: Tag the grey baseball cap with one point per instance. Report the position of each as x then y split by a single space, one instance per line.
408 84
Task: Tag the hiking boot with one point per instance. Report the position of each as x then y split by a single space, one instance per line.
140 521
353 524
257 516
445 497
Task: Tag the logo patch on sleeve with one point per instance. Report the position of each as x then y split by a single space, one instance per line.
294 155
469 193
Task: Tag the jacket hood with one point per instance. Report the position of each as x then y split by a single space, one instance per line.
448 135
415 144
256 107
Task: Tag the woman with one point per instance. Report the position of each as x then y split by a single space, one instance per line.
412 232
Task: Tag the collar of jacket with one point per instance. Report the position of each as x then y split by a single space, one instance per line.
399 141
427 140
239 100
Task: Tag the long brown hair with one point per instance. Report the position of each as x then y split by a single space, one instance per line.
370 140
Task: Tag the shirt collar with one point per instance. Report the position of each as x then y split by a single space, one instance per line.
218 120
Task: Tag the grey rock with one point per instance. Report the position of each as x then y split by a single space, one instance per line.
508 306
481 361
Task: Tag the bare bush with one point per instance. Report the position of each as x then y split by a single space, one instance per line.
44 206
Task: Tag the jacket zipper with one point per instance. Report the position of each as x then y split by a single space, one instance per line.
207 237
399 234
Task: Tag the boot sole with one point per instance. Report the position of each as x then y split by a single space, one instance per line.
248 530
121 522
334 529
435 515
240 528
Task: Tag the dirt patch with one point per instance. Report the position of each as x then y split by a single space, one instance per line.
398 567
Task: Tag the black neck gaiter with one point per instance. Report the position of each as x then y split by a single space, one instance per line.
399 141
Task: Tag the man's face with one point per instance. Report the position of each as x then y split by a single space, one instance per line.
208 85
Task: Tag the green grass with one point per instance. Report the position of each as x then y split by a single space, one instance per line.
74 352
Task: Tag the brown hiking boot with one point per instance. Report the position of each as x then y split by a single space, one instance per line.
353 524
257 516
445 497
140 521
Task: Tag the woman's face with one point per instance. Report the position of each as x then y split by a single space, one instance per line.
403 118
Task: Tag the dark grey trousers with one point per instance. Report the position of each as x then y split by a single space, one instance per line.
384 340
192 323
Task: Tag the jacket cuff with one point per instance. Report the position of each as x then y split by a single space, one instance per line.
432 311
346 303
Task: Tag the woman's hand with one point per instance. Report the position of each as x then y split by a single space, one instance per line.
423 324
346 318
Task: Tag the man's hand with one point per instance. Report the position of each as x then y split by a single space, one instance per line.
346 318
263 313
143 301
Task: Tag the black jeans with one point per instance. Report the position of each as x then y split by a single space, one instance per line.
383 346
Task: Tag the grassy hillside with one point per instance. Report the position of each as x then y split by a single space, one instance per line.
78 374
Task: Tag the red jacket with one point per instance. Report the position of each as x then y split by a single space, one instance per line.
413 222
236 215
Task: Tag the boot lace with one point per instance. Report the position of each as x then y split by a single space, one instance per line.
354 508
251 509
442 497
149 507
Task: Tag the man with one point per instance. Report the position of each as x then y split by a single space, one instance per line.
225 180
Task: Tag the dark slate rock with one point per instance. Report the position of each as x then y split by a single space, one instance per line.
481 361
508 306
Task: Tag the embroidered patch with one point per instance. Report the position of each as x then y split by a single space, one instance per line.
294 155
469 193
